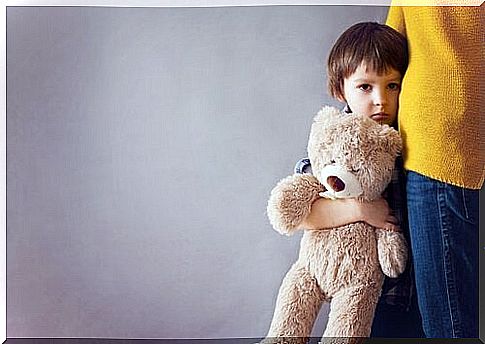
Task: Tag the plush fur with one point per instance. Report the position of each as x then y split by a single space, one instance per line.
343 265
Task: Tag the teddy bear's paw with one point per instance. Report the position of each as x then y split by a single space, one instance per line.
392 272
392 264
392 252
290 202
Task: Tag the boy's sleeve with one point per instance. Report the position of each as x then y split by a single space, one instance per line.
303 166
395 19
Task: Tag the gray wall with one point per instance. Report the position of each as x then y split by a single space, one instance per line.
142 145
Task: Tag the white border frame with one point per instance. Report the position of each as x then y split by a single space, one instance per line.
134 3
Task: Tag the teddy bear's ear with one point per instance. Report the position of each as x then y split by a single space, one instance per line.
391 139
327 114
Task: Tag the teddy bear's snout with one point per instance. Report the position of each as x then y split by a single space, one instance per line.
335 183
339 182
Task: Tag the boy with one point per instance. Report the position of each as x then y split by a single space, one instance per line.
365 68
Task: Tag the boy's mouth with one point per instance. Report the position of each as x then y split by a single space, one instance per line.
380 116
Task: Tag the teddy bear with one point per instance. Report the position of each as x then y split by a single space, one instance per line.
351 156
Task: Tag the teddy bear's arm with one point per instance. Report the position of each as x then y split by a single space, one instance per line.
392 252
291 200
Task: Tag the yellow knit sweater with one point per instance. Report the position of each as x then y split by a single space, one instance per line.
440 102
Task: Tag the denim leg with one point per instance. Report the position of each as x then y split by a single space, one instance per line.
443 224
395 322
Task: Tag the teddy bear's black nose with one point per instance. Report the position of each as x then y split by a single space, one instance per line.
335 183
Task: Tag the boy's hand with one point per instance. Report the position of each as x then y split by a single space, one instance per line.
378 214
326 213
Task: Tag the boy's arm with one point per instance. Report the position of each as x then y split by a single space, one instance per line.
326 213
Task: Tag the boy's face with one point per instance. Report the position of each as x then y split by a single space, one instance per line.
375 96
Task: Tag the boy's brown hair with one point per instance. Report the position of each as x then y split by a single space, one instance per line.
379 46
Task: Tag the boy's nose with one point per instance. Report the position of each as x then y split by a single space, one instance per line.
380 98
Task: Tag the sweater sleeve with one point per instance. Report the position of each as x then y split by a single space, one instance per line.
395 19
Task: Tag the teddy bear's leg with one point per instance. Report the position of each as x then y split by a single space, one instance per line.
297 306
352 311
342 340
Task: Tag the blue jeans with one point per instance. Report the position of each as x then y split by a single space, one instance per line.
443 224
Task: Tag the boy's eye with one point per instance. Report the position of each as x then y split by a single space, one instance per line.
365 87
393 86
